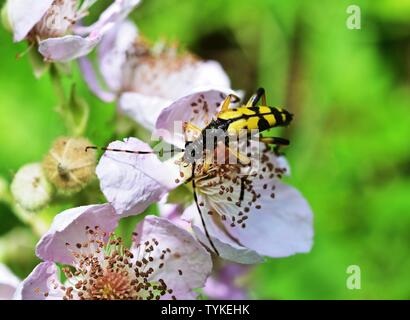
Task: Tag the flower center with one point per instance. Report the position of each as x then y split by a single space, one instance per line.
239 185
107 270
111 285
58 19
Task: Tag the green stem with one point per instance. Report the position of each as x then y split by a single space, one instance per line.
58 86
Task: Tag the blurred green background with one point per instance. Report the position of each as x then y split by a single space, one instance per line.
350 151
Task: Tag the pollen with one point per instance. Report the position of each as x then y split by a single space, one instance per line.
239 186
57 21
105 269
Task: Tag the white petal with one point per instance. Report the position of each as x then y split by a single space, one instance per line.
226 246
43 279
112 52
142 108
69 226
198 108
115 13
165 78
131 182
8 283
173 212
69 47
24 14
187 255
283 227
172 77
93 82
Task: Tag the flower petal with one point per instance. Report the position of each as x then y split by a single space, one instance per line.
68 47
164 79
173 212
281 228
115 13
131 182
68 228
215 289
8 283
222 284
24 14
74 46
112 52
142 108
227 247
197 108
42 284
92 81
188 264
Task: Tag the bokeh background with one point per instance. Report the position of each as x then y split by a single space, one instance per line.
350 151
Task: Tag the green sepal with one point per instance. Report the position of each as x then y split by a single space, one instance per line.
40 67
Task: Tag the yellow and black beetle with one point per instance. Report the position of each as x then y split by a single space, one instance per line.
234 122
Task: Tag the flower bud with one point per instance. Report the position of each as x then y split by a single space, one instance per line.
30 188
68 166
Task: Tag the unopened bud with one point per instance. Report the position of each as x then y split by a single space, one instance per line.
68 166
30 188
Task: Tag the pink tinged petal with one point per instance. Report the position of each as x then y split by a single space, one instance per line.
161 80
173 212
227 247
144 109
74 46
112 53
222 284
69 47
172 76
282 162
69 228
93 83
198 108
131 182
24 14
42 284
188 264
282 227
215 289
210 73
8 283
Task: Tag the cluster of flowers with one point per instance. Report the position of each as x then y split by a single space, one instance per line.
170 255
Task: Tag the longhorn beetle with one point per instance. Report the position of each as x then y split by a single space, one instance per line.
228 123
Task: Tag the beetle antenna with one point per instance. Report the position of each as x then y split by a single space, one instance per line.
200 212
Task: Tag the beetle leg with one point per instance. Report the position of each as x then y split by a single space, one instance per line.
277 141
253 101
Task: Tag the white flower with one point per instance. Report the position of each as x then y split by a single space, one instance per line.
146 80
164 261
54 25
8 283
